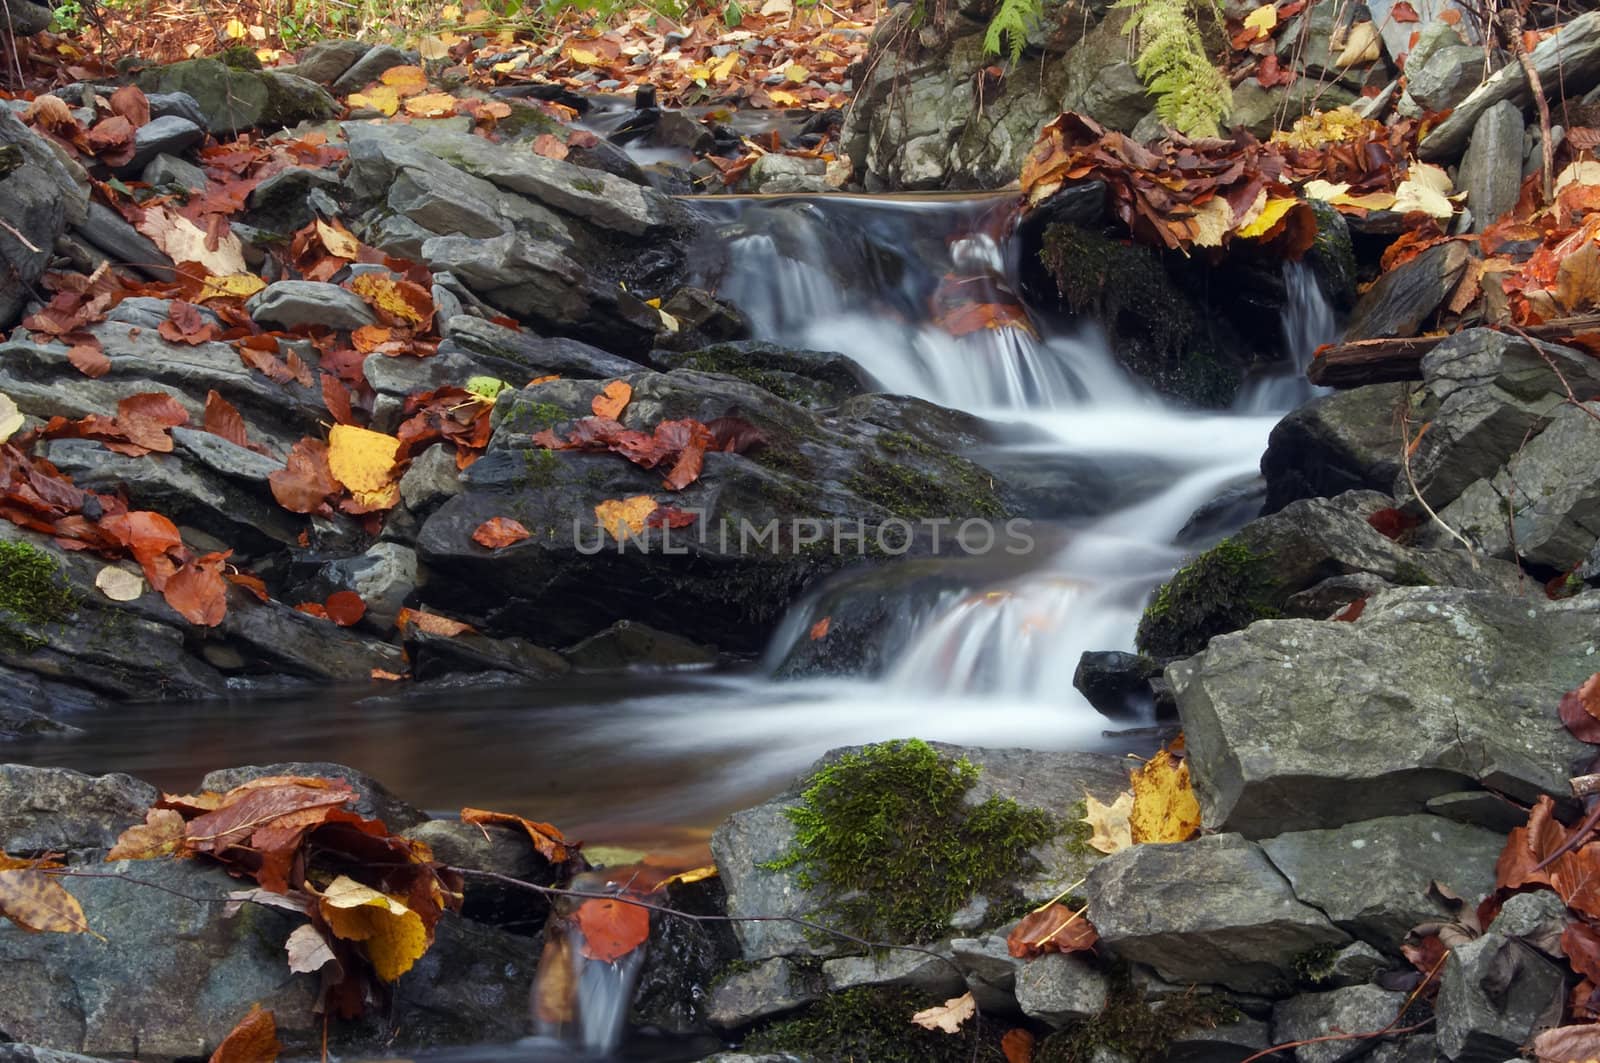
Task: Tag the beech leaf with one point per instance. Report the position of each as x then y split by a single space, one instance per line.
947 1016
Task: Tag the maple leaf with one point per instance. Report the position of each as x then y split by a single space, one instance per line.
611 928
947 1016
498 532
253 1040
1112 830
1164 805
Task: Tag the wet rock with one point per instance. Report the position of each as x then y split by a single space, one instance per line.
225 457
626 644
816 379
287 304
1485 394
1569 57
758 835
534 355
1355 964
436 655
676 980
764 990
57 810
30 706
1213 910
232 100
168 171
1492 167
431 479
1495 993
37 198
699 313
498 850
290 199
1414 1048
785 173
1467 700
1058 989
171 135
1406 296
1351 1010
934 975
366 68
1372 878
385 577
325 61
1345 441
287 640
373 799
1117 684
1262 110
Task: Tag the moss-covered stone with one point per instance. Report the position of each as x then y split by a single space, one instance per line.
1133 1028
1224 589
1332 255
889 841
540 467
1158 334
919 480
871 1025
33 592
1317 965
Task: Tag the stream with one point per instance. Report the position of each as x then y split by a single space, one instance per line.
656 761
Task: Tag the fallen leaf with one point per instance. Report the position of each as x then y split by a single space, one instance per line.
304 484
345 608
89 358
622 517
431 105
1017 1045
550 146
432 624
232 286
1164 805
197 591
222 419
163 833
184 241
385 99
947 1016
308 950
1263 20
1569 1044
611 928
338 240
820 628
1053 928
10 417
1579 710
1403 12
34 901
498 532
1112 830
395 936
1426 189
398 300
547 840
363 461
406 80
1361 46
611 402
119 584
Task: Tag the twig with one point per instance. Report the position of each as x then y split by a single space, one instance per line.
22 239
1405 464
1512 21
1062 894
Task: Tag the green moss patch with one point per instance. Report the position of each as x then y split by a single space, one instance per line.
1133 1028
888 840
903 485
33 591
873 1025
1224 589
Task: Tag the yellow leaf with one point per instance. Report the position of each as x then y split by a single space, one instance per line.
339 240
1360 46
585 57
115 583
1212 220
406 80
431 105
450 13
796 73
724 66
1263 20
949 1016
432 48
697 874
10 417
162 833
625 516
362 460
394 935
233 286
235 30
1339 196
1585 172
382 292
35 901
1164 805
699 72
1112 832
381 98
1271 213
510 65
783 99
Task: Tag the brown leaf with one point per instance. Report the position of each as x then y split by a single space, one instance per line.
88 357
547 840
499 532
1017 1044
163 833
254 1040
304 485
1580 710
35 901
1051 929
549 146
1569 1044
222 419
259 802
147 419
1581 944
186 324
198 592
432 623
948 1016
336 397
111 140
131 103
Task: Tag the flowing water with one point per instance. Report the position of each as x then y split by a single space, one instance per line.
989 661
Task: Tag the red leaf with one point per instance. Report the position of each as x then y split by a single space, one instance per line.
147 418
222 419
305 484
1352 611
130 102
150 538
89 358
186 324
252 584
345 608
669 516
1392 523
336 397
1055 928
612 929
497 532
735 435
1580 710
254 1040
1403 12
198 592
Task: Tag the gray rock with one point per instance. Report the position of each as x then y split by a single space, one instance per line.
1057 989
1571 56
106 230
385 576
175 104
1445 77
1485 394
15 1053
626 644
25 18
30 706
168 171
325 61
1415 1048
1467 699
373 799
286 304
769 988
499 851
1348 440
53 809
785 173
431 479
364 68
1213 910
171 135
291 641
231 99
1495 993
1491 170
36 200
437 655
1479 808
1371 878
1263 110
148 312
1355 1009
991 972
502 349
1355 964
225 457
935 975
1226 1043
1537 919
291 199
1406 296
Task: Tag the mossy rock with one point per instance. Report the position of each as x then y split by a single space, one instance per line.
34 593
1133 1028
1224 589
233 99
887 839
872 1025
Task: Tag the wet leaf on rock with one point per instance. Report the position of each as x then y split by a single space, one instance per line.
611 928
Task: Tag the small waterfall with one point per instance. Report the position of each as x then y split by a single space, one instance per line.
1308 323
579 1000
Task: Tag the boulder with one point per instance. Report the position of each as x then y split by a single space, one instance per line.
30 706
324 61
1495 994
1406 296
1213 910
1372 878
373 799
1057 989
232 100
57 810
1447 75
1356 1009
1344 441
171 172
766 989
38 198
1491 169
1429 689
287 304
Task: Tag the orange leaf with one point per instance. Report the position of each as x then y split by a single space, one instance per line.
432 623
548 840
1017 1044
820 628
88 357
345 608
550 146
198 592
1052 929
222 419
610 403
612 929
500 531
254 1040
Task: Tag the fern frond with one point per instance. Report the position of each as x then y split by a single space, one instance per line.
1192 95
1012 20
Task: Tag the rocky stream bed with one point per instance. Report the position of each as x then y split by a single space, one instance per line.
1366 671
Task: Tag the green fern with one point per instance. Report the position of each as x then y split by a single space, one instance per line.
1192 95
1013 20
